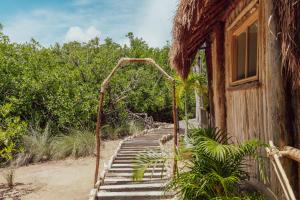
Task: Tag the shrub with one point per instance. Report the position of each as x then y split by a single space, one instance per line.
135 127
11 130
123 130
108 133
75 144
37 146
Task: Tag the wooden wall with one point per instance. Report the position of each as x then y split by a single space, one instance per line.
255 110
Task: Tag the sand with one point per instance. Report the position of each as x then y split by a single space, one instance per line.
69 179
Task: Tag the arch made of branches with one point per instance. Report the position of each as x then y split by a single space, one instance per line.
121 63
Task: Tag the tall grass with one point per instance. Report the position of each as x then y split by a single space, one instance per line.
37 146
42 144
75 144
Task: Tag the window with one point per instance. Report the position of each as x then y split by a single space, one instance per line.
245 51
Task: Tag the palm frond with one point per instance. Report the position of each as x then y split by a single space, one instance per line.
148 159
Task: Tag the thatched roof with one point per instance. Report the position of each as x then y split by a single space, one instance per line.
193 21
288 18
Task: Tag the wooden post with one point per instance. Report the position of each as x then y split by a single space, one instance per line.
175 129
208 59
219 69
98 135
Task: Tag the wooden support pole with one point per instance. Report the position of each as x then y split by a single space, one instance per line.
98 135
175 129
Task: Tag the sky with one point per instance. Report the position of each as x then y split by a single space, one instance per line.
51 21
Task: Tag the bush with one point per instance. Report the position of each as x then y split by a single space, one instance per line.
11 130
108 133
75 144
37 146
135 127
123 130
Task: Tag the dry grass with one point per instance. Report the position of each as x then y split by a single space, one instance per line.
9 176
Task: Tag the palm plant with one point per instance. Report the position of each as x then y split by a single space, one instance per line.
212 166
194 82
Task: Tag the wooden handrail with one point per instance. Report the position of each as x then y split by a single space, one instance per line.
274 154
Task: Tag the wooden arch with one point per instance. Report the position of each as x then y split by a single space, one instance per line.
122 62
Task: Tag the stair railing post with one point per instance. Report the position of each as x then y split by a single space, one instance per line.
98 134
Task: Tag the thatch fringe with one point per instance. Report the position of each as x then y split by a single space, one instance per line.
288 19
193 21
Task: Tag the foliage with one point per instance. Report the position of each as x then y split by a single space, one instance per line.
216 167
11 130
212 166
75 144
109 132
150 159
194 82
60 83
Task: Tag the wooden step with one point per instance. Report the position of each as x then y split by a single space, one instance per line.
128 165
118 183
130 170
130 175
138 151
133 187
122 180
133 195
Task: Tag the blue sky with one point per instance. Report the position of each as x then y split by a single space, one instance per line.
50 21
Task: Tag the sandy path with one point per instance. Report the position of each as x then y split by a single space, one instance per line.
55 180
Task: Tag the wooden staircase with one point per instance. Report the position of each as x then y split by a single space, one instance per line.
118 182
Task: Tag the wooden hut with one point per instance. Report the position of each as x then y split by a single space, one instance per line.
253 60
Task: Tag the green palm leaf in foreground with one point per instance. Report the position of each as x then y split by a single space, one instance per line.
213 170
149 159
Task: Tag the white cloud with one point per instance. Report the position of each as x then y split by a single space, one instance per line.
75 33
149 19
155 22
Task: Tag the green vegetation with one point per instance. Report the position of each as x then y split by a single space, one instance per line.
58 86
212 167
11 131
196 82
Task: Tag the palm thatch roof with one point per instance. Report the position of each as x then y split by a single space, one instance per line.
288 29
193 21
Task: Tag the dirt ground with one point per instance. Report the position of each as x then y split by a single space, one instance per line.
68 179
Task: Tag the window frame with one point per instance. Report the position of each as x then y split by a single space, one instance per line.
244 26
